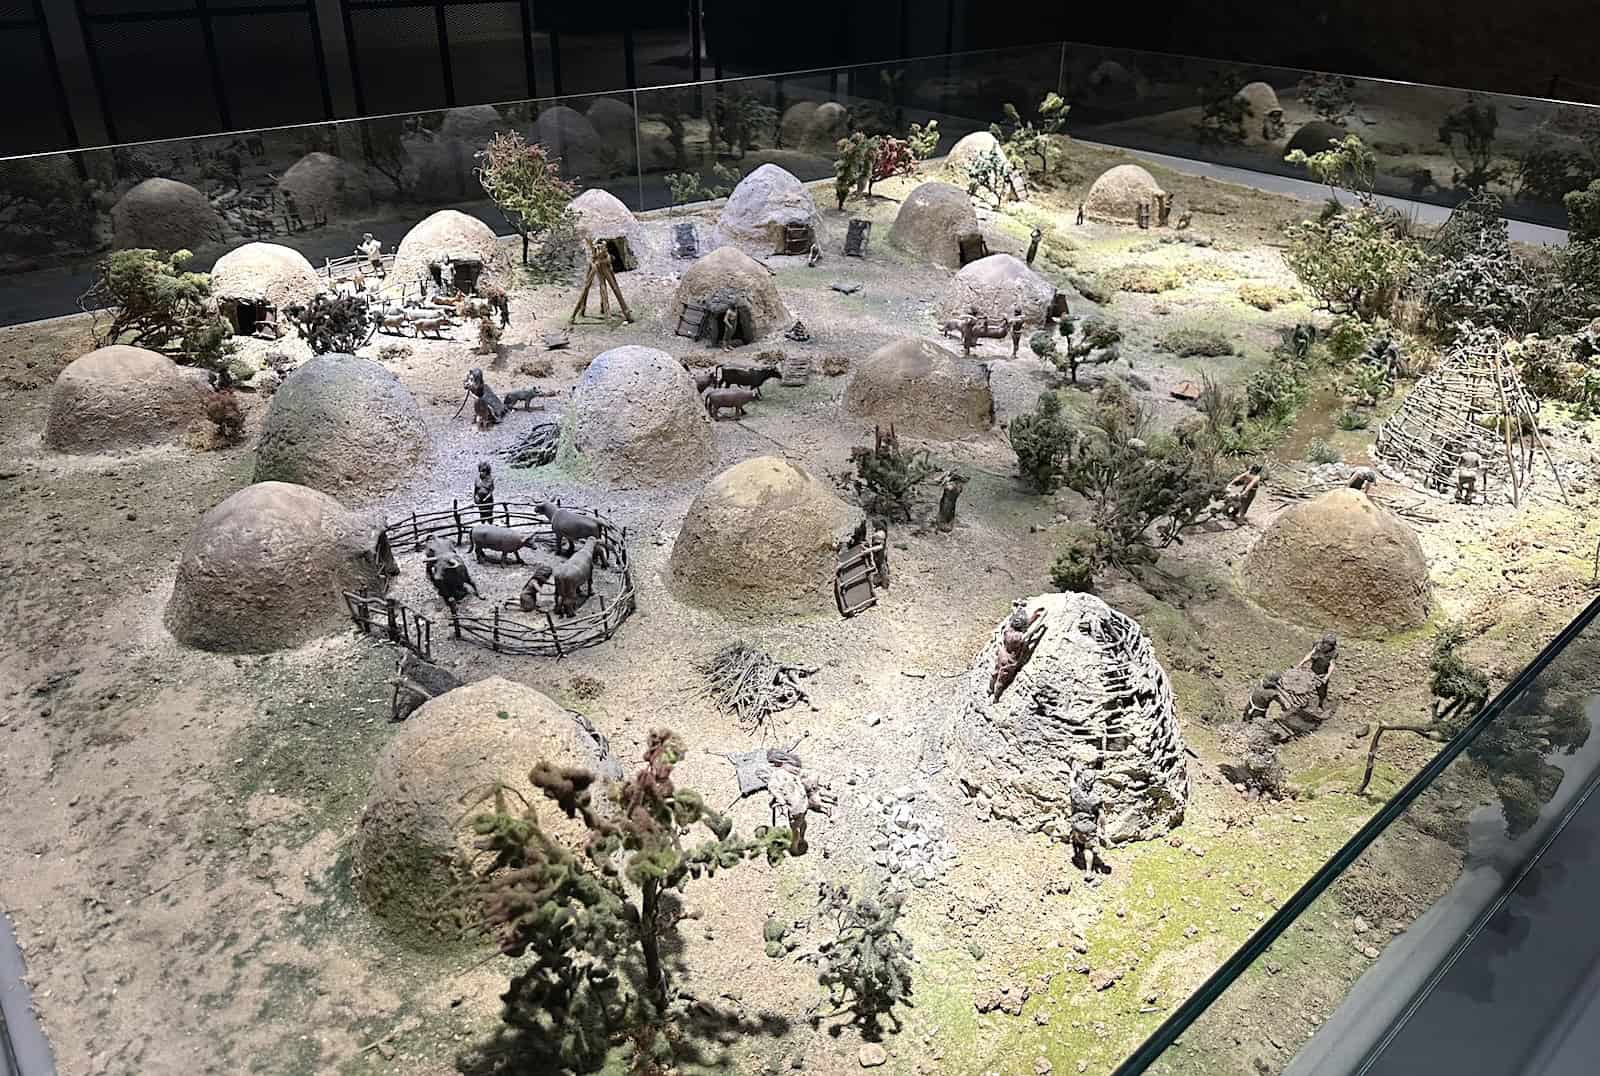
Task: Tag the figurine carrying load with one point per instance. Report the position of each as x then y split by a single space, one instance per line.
793 795
373 249
1320 661
1017 323
1085 819
1240 493
1364 479
1022 633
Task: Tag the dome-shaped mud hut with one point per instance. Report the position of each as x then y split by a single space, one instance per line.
1090 694
966 149
1315 137
602 216
325 187
268 568
1122 193
449 237
256 282
639 419
728 277
932 222
1340 562
1264 121
762 537
765 210
415 831
921 389
164 215
340 424
995 286
119 397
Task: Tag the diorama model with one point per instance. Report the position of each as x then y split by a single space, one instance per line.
705 640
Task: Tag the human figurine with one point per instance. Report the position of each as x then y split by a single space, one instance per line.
1184 220
1240 493
1085 817
969 331
730 327
793 795
1142 215
1469 468
1017 641
1364 479
1080 213
483 492
1033 244
1017 322
373 249
291 213
1320 661
815 254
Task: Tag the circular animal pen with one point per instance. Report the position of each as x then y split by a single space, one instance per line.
510 628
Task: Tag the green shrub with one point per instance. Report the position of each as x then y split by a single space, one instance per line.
1348 339
1146 279
1266 296
1353 418
1274 392
1354 261
1319 451
1043 344
1042 441
1583 212
1077 563
1187 343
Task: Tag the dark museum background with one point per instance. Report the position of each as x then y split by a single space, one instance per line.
125 70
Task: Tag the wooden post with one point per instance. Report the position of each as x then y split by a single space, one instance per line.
495 644
389 608
455 622
416 538
554 638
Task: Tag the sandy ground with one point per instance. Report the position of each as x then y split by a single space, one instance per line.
175 826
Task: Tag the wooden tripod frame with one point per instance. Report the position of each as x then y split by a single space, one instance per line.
600 269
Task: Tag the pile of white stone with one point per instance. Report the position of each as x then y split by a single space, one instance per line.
908 839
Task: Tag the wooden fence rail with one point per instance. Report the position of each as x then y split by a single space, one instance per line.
393 619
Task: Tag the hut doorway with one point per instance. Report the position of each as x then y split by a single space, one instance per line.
718 329
622 258
459 275
797 239
249 317
971 247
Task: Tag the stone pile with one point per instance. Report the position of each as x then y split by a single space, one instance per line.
909 839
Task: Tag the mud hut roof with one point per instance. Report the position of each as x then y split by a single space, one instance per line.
264 273
1117 195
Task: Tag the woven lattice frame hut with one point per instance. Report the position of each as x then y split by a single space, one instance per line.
1473 400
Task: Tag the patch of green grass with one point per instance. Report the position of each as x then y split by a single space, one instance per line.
1191 342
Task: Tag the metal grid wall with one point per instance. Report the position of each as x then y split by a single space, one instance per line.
30 74
408 55
169 68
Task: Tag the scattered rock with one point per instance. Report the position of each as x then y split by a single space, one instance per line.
872 1055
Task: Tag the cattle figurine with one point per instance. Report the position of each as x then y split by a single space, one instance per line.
570 526
750 377
503 540
720 400
447 572
574 578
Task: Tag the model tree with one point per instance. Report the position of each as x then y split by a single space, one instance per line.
1031 146
333 324
157 304
524 184
1042 440
1091 340
889 475
1348 163
866 965
591 925
1331 97
1469 133
853 168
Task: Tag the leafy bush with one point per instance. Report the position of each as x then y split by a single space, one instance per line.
1029 146
1041 439
1347 163
1369 384
1583 212
1043 344
1468 132
1274 393
1471 274
1353 418
587 930
1146 279
1319 451
1222 111
889 475
1188 343
1353 262
991 173
866 965
1347 339
333 324
1331 97
1078 561
157 304
924 141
